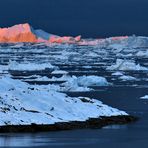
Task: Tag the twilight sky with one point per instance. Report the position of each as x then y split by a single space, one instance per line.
90 18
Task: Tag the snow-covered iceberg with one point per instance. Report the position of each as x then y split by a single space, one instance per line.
26 33
82 83
24 104
18 33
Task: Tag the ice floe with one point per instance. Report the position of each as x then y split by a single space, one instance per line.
83 83
29 66
142 54
60 72
126 65
92 80
118 73
144 97
73 83
127 78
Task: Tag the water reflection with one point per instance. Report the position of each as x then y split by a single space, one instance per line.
115 127
42 139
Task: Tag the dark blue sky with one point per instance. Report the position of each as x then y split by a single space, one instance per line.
91 18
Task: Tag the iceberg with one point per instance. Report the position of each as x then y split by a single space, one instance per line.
24 104
26 33
17 33
145 97
118 73
29 67
126 65
83 83
127 78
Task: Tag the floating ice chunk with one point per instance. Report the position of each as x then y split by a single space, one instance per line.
87 67
42 79
83 82
29 66
126 65
127 78
59 72
118 73
71 84
124 55
74 83
92 80
144 97
142 54
117 47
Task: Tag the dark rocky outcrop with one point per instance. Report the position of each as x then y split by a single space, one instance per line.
91 123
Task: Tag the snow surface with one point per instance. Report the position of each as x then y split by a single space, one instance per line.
24 104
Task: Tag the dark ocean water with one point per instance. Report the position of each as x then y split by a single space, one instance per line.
131 135
124 95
